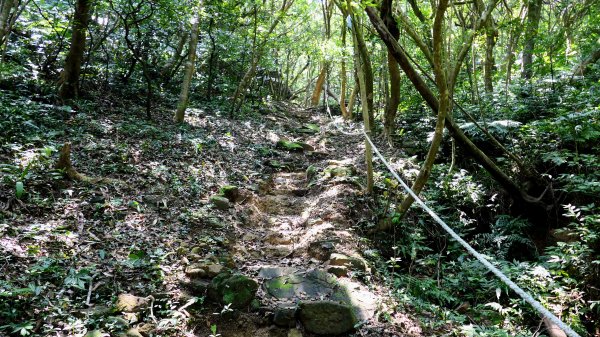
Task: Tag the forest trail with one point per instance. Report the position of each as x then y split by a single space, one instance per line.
267 212
297 237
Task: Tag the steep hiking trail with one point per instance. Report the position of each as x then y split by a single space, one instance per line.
297 240
216 227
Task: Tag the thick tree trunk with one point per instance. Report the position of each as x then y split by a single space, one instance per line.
316 95
394 98
189 70
462 140
5 10
69 88
534 13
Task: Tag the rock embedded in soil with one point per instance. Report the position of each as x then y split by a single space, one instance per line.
214 269
195 271
321 250
236 290
232 193
131 303
220 202
351 262
285 315
339 271
290 146
326 317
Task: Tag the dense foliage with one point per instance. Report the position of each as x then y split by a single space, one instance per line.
526 93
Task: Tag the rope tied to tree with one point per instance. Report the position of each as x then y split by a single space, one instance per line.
522 293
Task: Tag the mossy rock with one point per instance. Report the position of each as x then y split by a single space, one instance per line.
290 146
236 290
326 317
339 171
232 193
220 202
309 128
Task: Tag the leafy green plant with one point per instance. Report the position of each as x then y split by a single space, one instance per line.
213 330
507 238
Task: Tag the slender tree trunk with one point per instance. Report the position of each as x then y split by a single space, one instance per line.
352 99
211 60
343 108
364 104
169 68
368 73
444 104
515 36
189 70
391 108
489 64
534 13
455 131
69 88
239 95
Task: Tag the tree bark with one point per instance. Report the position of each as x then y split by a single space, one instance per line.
443 105
489 64
69 88
360 66
189 70
367 68
394 98
5 10
343 76
316 95
462 140
534 13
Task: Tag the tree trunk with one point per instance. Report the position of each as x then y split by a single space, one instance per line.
364 104
316 95
5 10
367 68
343 108
444 104
69 88
534 13
391 107
171 66
489 64
462 140
189 70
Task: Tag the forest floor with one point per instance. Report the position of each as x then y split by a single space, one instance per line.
277 198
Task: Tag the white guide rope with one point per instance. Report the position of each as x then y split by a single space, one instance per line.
535 304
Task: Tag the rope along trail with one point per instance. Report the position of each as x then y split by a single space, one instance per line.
528 298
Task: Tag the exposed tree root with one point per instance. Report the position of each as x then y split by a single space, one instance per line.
64 163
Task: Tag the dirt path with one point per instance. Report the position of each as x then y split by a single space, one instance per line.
297 239
286 246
